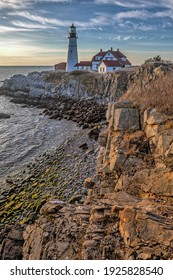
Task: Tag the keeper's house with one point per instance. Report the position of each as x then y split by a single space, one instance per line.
105 61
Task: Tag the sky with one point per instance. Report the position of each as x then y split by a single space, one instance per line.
35 32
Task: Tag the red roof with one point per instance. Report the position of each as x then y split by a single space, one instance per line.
126 62
112 63
102 54
84 63
117 54
60 66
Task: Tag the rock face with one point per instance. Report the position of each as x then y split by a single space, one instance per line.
34 85
128 214
11 246
45 85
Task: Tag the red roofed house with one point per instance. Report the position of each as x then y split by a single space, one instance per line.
116 59
109 66
83 65
97 59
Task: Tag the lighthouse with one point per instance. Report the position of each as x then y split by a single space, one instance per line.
72 57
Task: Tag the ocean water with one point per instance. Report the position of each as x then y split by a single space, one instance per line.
7 71
27 133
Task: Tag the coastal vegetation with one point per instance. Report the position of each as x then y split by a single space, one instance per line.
156 94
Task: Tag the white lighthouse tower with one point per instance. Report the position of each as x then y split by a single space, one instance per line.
72 57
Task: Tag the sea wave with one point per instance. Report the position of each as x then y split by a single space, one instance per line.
28 133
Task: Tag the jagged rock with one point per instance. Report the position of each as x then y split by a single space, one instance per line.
88 183
122 118
94 133
152 117
103 136
4 116
112 227
75 198
11 247
83 146
146 226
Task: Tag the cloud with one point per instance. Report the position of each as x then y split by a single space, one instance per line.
131 26
5 29
28 25
97 21
143 15
40 19
138 3
127 3
127 38
164 14
137 14
18 4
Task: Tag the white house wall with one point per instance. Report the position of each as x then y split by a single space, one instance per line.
95 65
100 68
111 69
107 69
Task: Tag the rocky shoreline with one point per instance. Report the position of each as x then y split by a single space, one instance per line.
59 175
105 199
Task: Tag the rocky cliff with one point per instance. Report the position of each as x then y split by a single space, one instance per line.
128 212
77 84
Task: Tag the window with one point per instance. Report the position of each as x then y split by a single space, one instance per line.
100 69
103 69
114 68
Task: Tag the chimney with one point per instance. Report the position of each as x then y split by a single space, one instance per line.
118 50
111 49
101 50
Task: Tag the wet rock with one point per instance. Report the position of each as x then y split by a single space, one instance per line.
94 133
75 198
9 181
4 116
88 183
83 146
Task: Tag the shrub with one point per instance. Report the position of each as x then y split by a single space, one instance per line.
54 76
156 94
78 72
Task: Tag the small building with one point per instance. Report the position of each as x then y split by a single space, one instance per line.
60 66
109 55
109 66
83 65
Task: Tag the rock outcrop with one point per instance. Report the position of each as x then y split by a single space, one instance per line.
128 211
128 214
78 85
